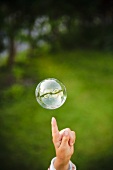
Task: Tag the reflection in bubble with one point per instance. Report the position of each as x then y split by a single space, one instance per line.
50 93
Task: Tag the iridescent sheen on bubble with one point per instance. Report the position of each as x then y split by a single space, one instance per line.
50 93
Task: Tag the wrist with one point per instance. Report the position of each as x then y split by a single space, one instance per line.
61 164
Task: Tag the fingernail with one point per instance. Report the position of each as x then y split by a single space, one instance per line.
66 133
52 119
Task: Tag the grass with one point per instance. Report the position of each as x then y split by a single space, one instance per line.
25 129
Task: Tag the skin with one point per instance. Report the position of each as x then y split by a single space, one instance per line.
64 145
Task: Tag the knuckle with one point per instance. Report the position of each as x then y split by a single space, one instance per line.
68 129
73 132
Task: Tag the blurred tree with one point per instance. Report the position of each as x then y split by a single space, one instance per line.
2 47
15 16
11 23
80 18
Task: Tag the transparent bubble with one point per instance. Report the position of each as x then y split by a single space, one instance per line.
50 93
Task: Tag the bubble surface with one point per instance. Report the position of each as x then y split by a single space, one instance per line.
50 93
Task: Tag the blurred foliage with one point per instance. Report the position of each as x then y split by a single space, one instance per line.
14 92
25 143
61 24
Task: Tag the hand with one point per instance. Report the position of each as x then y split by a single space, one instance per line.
63 142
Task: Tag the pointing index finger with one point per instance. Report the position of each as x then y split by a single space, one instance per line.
55 131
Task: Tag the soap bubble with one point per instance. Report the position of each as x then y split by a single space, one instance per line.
50 93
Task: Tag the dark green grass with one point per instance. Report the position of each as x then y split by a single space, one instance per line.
25 128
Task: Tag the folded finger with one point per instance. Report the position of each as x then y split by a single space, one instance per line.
71 135
72 138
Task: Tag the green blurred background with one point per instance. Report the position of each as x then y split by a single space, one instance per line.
73 42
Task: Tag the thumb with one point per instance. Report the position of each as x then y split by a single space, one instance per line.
65 139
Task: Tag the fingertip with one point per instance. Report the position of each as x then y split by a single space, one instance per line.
66 135
53 120
65 140
71 144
